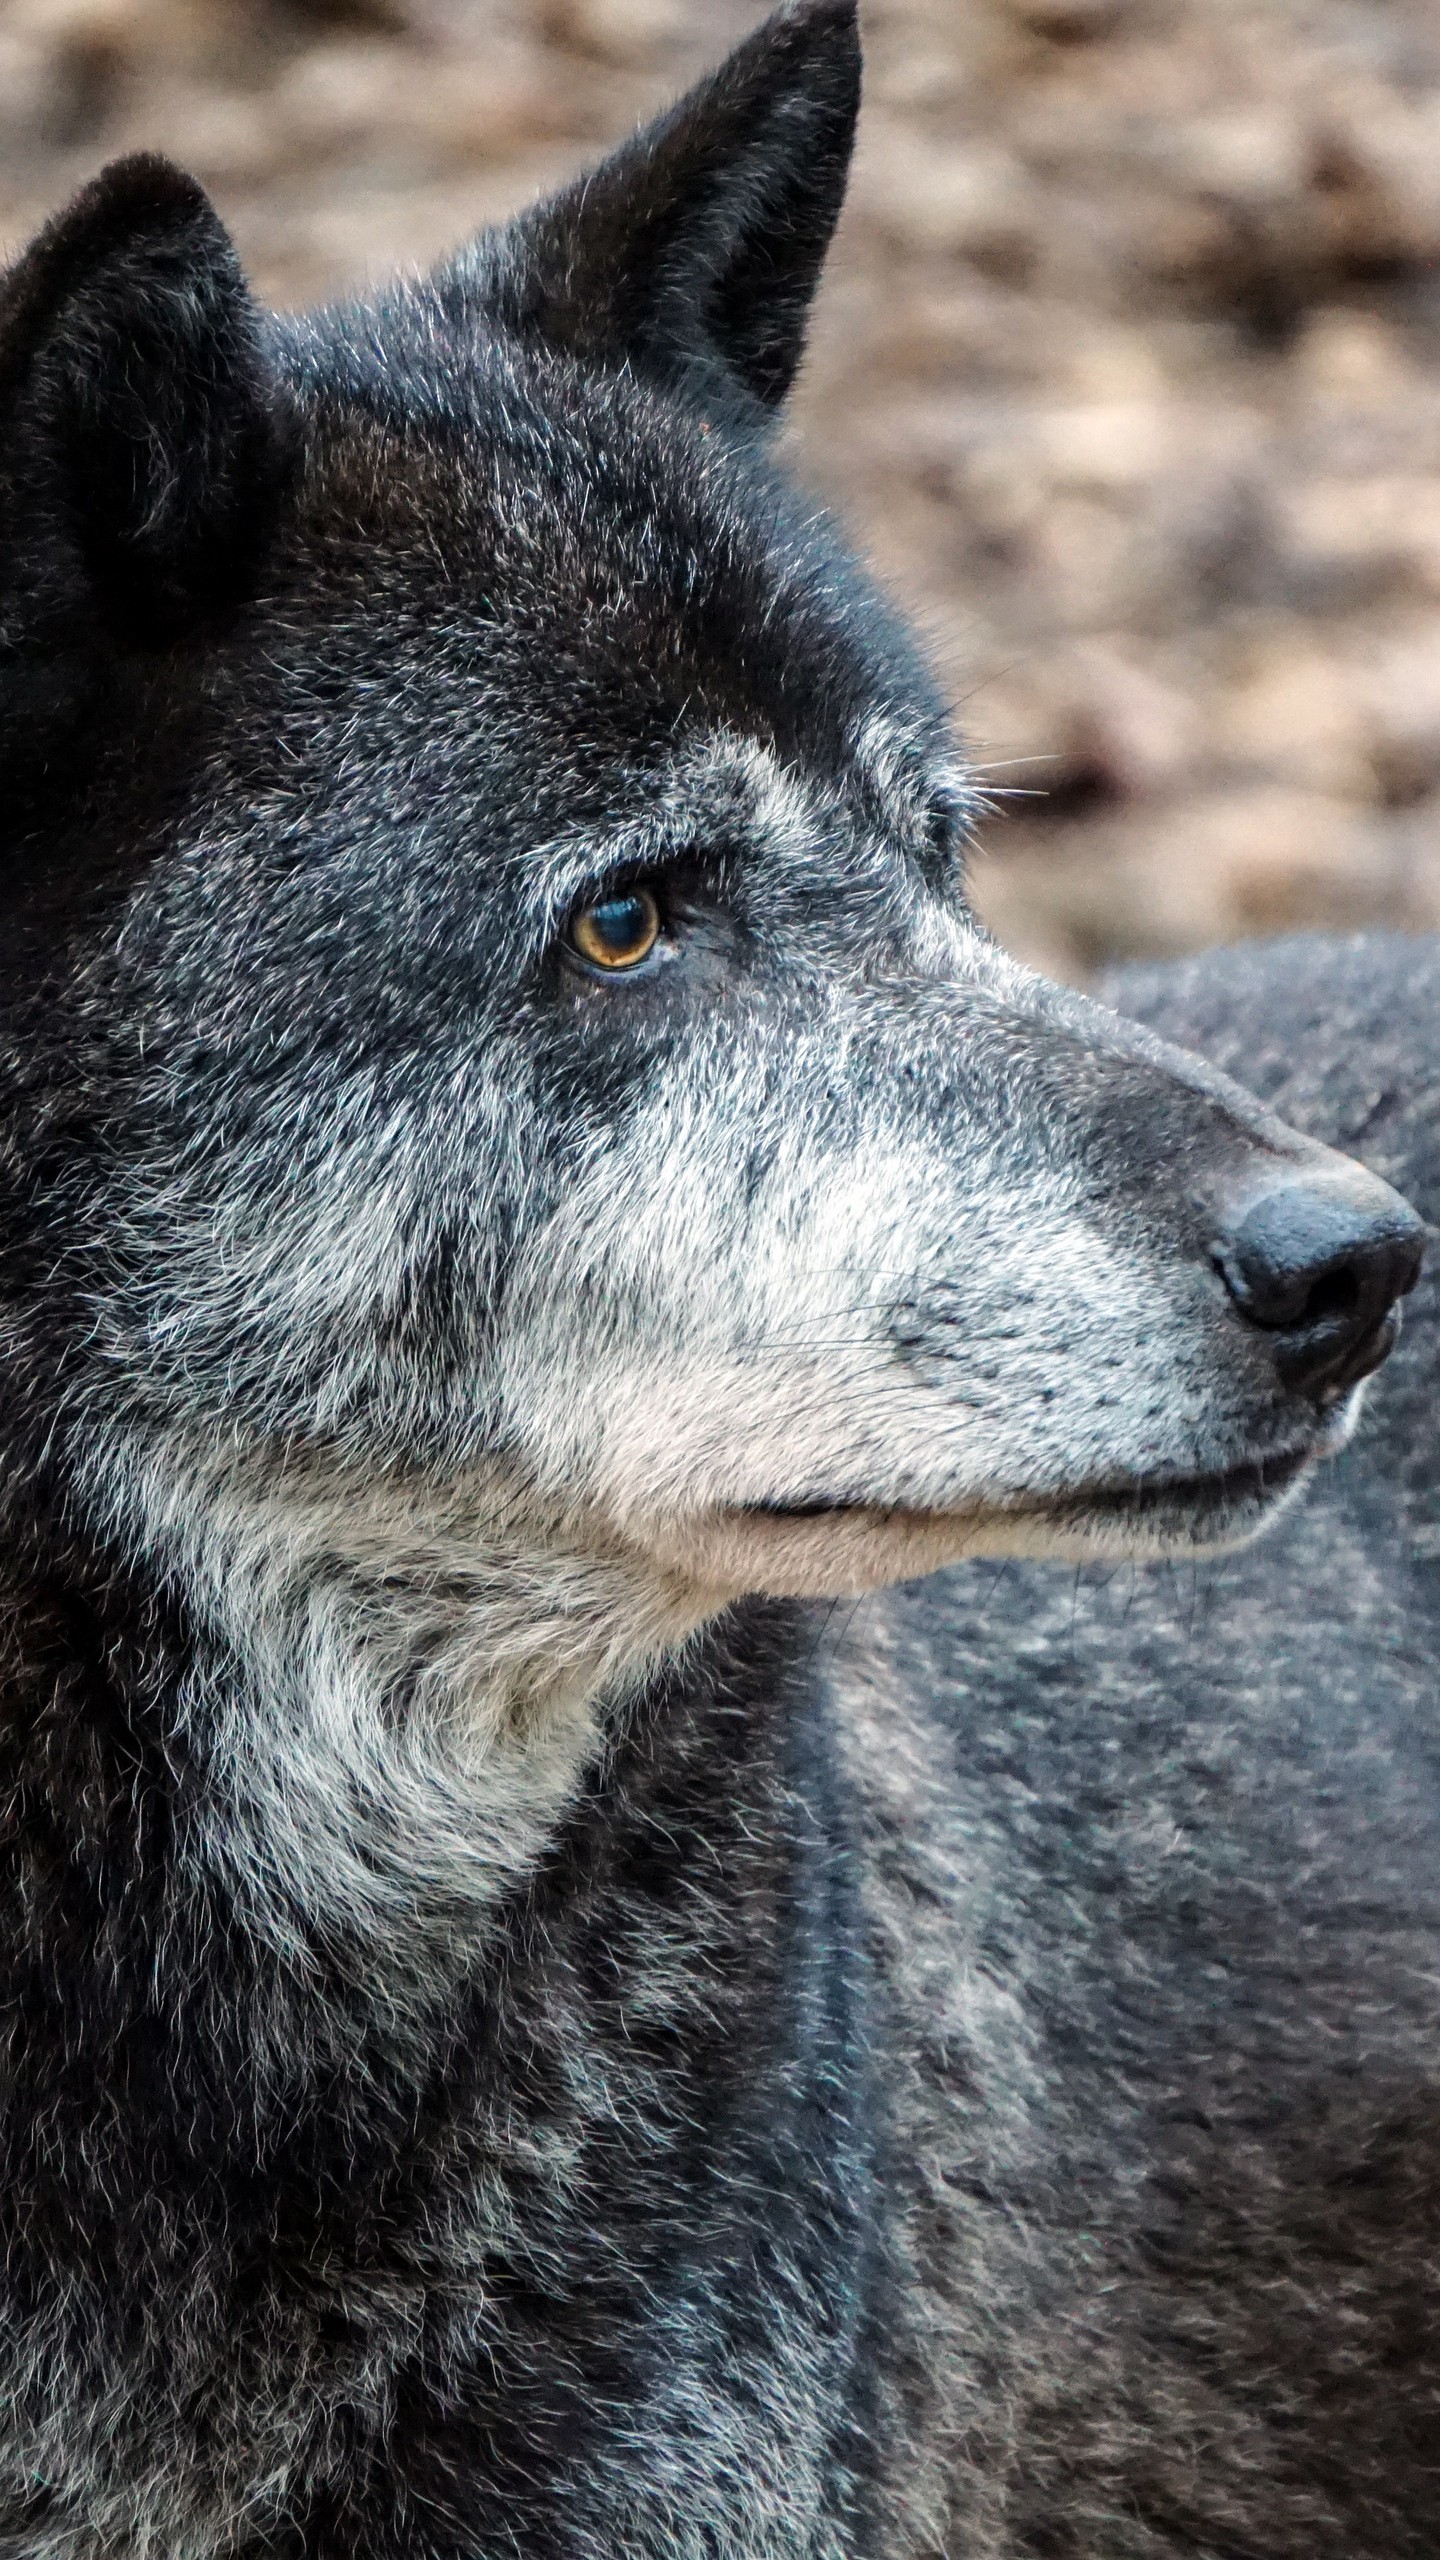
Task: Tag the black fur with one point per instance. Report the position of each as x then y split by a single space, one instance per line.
486 2070
696 251
143 440
140 415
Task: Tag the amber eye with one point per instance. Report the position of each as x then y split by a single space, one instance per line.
617 932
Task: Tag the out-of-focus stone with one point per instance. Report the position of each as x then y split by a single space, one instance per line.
472 110
1269 860
1398 686
620 31
1243 157
1425 866
1086 898
1131 732
1354 539
227 138
83 52
932 332
343 97
915 78
340 94
60 22
1290 710
1113 368
1372 185
1104 445
1003 894
26 82
967 202
1069 21
1353 359
1091 721
1085 550
1232 864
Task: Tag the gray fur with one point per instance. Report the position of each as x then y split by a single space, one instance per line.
521 2040
1154 1869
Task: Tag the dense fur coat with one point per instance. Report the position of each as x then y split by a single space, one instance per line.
512 1144
1154 1858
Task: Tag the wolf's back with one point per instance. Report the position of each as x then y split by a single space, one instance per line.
1155 1856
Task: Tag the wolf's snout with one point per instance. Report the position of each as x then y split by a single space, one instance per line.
1321 1265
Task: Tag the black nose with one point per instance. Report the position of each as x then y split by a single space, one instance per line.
1321 1266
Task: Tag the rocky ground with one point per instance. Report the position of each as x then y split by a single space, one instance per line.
1128 372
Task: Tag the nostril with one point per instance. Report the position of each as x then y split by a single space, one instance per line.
1320 1266
1335 1294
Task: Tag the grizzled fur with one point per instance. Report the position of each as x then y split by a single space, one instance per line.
512 2043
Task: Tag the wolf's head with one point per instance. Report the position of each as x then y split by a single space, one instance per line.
499 1060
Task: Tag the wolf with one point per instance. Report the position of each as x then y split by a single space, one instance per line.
539 2019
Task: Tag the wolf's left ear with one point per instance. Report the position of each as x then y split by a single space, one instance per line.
139 427
699 244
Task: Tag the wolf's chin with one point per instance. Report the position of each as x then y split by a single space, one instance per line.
821 1547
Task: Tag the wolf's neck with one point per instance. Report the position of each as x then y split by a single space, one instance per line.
396 1694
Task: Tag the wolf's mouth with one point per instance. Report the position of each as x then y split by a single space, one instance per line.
1251 1486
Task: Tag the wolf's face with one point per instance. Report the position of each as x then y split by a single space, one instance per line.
512 1052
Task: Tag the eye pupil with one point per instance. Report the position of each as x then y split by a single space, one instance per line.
620 923
617 932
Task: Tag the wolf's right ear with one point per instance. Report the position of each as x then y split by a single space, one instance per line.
695 250
140 431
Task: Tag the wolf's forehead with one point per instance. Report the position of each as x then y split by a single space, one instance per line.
624 535
636 625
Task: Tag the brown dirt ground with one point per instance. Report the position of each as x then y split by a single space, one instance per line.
1128 372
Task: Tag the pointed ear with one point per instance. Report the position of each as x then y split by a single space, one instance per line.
140 432
699 245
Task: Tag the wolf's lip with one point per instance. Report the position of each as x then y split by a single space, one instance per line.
1257 1480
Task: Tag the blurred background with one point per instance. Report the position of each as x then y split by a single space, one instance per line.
1127 373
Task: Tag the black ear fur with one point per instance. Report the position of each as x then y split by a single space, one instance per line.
139 426
697 248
